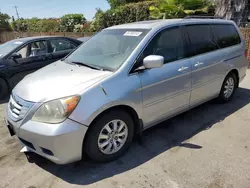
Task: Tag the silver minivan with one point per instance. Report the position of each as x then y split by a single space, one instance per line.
122 81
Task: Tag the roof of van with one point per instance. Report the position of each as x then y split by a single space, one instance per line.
158 23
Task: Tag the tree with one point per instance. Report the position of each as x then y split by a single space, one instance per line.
180 8
4 21
234 10
116 3
68 21
166 9
98 23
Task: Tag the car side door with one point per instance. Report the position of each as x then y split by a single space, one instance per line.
207 63
33 56
60 47
166 90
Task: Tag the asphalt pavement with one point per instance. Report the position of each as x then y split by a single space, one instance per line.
208 146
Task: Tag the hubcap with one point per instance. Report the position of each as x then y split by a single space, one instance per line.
229 87
112 137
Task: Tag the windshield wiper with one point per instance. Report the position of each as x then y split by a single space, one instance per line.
86 65
91 66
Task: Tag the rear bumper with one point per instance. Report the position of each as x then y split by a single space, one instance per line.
60 143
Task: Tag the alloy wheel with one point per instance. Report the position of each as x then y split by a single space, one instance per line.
112 137
229 87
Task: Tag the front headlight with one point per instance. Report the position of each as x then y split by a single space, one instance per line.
56 111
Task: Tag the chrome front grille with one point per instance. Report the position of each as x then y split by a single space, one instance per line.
18 107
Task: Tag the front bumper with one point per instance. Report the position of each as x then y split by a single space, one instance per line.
60 143
242 78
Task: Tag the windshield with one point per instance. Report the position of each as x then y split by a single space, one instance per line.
8 47
108 49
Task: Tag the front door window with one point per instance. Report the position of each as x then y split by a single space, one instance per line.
33 49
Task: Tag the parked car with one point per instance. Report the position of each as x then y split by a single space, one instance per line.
84 39
25 55
124 80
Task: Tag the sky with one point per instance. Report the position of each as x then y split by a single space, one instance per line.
52 8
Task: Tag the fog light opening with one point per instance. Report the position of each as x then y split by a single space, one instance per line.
46 151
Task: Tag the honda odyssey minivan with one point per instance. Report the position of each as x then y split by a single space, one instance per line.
122 81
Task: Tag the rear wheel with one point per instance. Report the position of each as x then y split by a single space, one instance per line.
4 90
228 88
110 136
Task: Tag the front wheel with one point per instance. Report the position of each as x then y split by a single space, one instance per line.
228 88
109 136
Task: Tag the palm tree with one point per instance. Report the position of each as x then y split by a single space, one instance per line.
179 8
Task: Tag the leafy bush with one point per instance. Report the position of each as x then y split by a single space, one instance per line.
128 13
36 25
20 25
69 21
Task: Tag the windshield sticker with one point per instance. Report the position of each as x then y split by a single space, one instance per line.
18 42
132 33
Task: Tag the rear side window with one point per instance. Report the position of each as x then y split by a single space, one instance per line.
59 45
201 39
226 35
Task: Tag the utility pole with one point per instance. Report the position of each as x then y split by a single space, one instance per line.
17 14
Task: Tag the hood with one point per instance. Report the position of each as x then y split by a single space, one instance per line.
57 80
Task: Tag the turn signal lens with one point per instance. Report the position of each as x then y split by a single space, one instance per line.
56 111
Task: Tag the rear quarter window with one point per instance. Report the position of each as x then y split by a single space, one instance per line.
226 35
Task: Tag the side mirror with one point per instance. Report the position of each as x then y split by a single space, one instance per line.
153 61
16 55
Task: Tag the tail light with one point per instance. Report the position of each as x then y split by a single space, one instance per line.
246 53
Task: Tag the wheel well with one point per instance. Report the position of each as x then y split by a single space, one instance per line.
127 109
236 73
137 122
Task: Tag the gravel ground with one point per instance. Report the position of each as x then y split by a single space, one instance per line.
208 146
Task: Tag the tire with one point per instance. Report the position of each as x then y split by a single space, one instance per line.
94 145
225 95
4 89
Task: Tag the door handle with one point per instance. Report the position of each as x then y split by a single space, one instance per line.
198 64
182 69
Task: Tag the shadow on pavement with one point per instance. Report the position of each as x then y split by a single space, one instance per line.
153 142
2 101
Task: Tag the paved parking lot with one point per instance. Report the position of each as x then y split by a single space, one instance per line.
208 146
